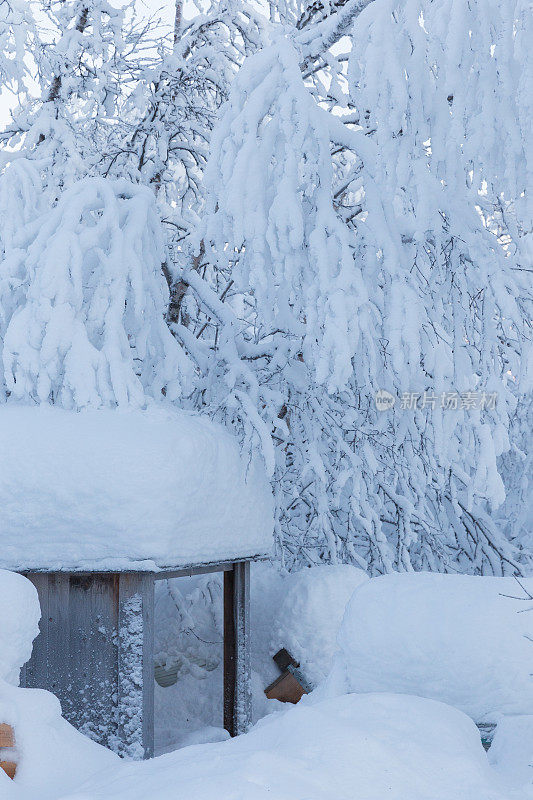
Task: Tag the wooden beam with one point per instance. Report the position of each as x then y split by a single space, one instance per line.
237 669
187 572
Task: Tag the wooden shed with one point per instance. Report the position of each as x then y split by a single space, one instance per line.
97 506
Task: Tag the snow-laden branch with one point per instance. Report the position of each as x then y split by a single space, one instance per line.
88 329
315 40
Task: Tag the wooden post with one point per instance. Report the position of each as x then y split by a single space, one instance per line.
136 665
237 670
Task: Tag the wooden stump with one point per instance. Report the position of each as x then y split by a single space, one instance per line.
7 742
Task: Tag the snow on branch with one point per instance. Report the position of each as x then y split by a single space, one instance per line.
89 328
317 39
270 178
16 26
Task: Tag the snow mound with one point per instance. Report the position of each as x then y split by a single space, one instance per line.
310 614
511 751
122 489
52 757
460 639
19 623
361 747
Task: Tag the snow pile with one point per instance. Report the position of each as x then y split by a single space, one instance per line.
456 638
511 751
367 747
310 614
118 489
19 623
53 757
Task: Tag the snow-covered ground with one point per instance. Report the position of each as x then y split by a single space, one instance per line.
357 747
336 743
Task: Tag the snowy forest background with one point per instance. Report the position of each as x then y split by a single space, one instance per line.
269 213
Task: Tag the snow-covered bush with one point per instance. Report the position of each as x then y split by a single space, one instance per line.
460 639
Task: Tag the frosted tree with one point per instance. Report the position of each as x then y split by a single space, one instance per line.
344 193
88 327
163 134
515 515
380 248
17 32
80 67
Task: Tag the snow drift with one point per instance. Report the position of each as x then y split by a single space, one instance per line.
308 618
460 639
366 747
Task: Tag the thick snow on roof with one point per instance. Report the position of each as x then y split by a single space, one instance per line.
108 490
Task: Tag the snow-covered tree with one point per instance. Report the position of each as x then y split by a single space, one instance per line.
371 265
88 327
162 136
80 64
344 190
17 32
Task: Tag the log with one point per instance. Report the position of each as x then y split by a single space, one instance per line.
9 767
7 735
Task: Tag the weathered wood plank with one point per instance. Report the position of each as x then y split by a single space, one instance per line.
92 656
237 669
148 667
243 696
10 768
229 651
7 735
75 654
58 638
186 572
